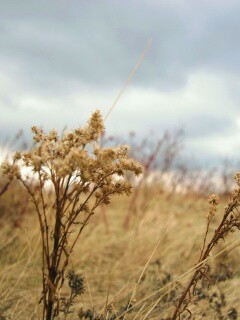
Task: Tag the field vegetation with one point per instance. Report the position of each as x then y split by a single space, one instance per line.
92 230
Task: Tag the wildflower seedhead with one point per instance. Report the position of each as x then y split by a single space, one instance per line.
53 157
11 171
95 126
237 178
213 202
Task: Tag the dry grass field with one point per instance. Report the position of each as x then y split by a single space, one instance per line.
75 244
149 261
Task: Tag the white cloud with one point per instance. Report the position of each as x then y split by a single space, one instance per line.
205 98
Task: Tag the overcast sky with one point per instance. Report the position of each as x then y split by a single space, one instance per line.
61 60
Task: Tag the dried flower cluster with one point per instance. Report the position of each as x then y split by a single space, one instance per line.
81 176
213 202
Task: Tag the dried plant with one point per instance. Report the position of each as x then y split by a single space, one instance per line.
228 224
8 145
158 158
77 175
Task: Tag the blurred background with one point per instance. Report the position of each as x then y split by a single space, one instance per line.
61 60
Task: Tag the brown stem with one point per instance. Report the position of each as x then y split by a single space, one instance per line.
4 189
53 267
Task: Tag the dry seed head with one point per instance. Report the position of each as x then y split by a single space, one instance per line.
53 157
11 171
237 178
95 127
17 156
38 134
53 136
213 201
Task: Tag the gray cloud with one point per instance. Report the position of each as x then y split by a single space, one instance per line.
202 126
59 60
98 42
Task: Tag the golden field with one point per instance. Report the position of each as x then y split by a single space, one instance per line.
149 261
